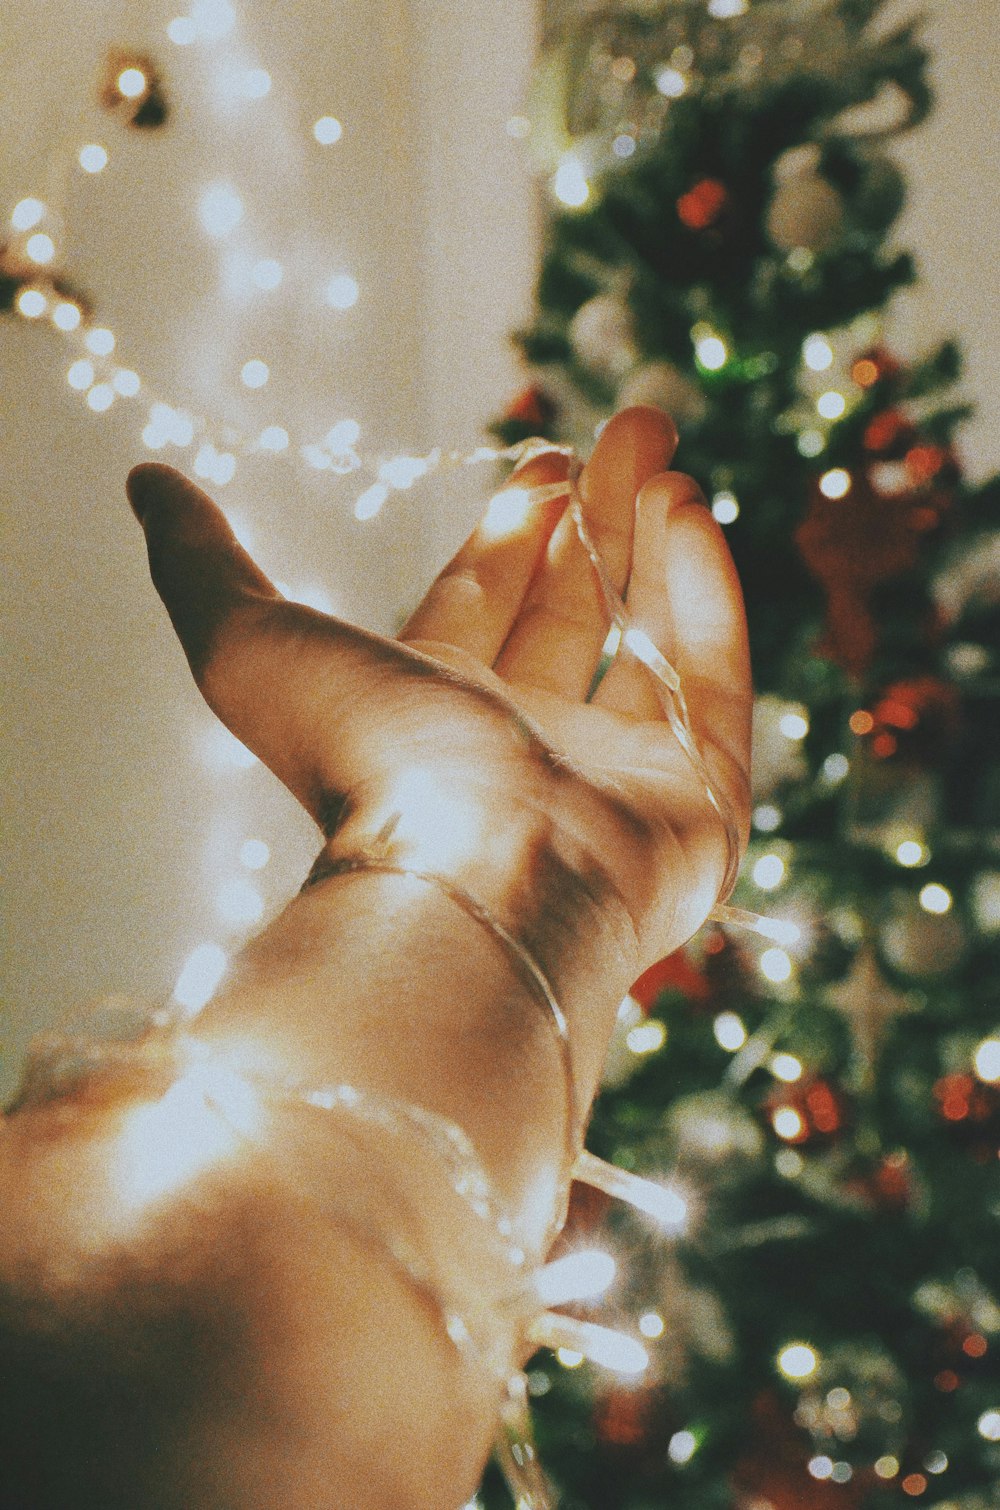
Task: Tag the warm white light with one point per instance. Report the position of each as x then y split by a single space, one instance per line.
578 1276
987 1060
100 341
988 1425
101 397
432 825
681 1447
730 1034
766 817
93 158
256 83
402 471
131 82
624 145
787 1123
671 82
273 438
254 854
887 1467
831 405
371 500
182 31
786 1067
317 457
81 374
40 248
821 1466
154 438
775 965
835 483
220 209
267 273
66 315
239 903
651 1324
569 183
725 508
212 18
794 724
722 10
712 353
569 1357
647 1037
26 213
817 353
769 872
255 373
328 130
126 382
200 974
910 853
342 292
343 435
935 898
612 641
810 442
936 1462
836 767
798 1360
506 512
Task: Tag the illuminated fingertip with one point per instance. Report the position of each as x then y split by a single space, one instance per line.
506 512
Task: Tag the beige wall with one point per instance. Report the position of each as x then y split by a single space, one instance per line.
118 831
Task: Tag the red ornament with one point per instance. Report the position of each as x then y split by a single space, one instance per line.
972 1111
674 973
626 1417
532 406
852 545
808 1111
887 435
919 718
888 1186
701 206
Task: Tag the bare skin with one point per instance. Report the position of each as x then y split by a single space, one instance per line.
232 1319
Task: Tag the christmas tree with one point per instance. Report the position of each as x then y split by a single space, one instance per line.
824 1320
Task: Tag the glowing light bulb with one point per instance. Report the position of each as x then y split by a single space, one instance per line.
797 1360
681 1447
935 898
506 512
836 767
256 83
66 315
651 1324
26 213
131 83
647 1037
101 397
624 145
328 130
254 854
100 341
723 10
126 382
273 438
569 1357
518 126
831 405
988 1425
371 501
887 1467
342 292
212 18
671 83
81 374
821 1467
911 852
766 817
255 373
40 248
712 353
569 183
794 723
578 1276
725 508
182 31
200 975
775 965
343 435
220 209
817 353
835 483
730 1034
786 1067
93 157
239 903
810 442
769 872
787 1123
402 471
987 1060
266 273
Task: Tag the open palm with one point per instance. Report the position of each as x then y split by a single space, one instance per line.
481 704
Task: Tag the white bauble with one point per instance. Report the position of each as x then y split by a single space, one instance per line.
602 336
805 210
665 386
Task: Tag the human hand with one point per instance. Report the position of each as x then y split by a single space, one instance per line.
479 709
